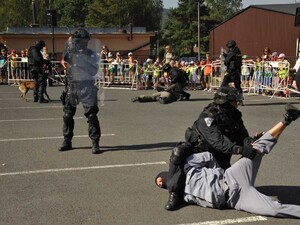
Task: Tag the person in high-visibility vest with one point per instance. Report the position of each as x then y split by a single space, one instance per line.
156 74
283 69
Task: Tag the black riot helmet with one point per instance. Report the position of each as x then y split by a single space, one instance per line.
40 44
231 44
225 94
81 38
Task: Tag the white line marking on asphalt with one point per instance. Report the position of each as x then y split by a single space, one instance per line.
47 138
40 119
81 168
9 99
230 221
36 107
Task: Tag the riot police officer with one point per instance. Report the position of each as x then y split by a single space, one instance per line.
172 93
220 130
36 63
179 79
233 62
82 66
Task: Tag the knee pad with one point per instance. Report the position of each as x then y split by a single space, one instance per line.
178 155
92 118
68 117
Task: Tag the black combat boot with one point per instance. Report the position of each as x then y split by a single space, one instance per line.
42 100
135 99
173 202
292 113
96 148
35 98
161 100
184 97
187 96
66 145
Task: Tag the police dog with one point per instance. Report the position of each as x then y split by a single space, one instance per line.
25 86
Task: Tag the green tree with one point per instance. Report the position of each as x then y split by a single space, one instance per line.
71 13
16 13
221 10
181 27
110 13
89 13
103 13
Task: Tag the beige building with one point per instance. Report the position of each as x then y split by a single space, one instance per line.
116 40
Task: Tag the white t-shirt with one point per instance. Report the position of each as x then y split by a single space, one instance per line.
297 64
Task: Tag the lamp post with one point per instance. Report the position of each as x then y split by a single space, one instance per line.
157 44
199 58
51 21
34 24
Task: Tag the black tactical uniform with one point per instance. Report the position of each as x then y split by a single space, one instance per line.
219 130
178 81
172 93
82 67
233 62
36 63
178 78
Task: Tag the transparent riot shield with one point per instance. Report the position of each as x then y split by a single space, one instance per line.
81 56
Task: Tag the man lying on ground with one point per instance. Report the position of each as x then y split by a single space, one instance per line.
207 184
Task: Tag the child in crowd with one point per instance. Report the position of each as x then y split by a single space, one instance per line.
156 74
120 67
207 72
14 65
191 71
247 66
3 66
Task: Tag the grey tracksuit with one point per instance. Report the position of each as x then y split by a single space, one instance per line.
207 183
165 95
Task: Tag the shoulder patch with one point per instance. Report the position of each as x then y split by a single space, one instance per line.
208 121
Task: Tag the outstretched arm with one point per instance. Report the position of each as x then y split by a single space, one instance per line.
265 144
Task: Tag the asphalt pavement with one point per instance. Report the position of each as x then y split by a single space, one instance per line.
42 186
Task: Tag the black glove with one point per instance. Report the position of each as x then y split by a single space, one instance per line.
258 136
247 151
248 141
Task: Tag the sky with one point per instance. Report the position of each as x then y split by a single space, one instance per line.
246 3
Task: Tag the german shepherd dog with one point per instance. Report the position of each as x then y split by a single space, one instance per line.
25 86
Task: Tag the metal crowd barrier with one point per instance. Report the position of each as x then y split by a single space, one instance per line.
269 77
18 70
125 75
113 73
217 75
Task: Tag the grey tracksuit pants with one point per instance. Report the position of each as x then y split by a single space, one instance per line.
166 96
240 178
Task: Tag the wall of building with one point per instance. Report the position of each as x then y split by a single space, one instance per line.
115 42
254 29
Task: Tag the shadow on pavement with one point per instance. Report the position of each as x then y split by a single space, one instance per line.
155 146
285 194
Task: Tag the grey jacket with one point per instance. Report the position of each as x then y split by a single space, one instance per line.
204 181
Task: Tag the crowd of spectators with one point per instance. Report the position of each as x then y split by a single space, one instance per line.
265 70
15 62
268 70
